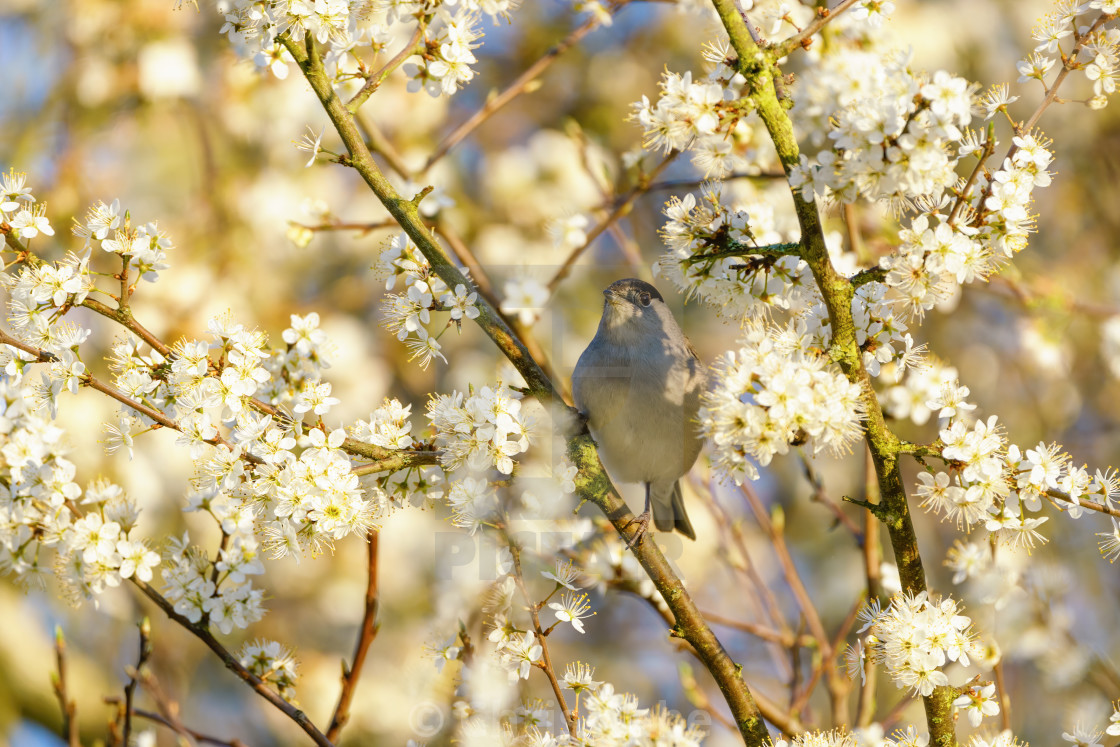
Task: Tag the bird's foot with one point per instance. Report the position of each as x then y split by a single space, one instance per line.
642 520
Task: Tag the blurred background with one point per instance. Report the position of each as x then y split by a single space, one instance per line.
137 101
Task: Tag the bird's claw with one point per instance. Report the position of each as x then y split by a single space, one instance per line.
642 520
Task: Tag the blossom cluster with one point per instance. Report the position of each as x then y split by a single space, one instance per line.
761 276
142 247
352 33
937 255
607 717
445 66
234 404
907 392
1099 53
904 147
914 637
707 117
616 718
227 599
998 485
891 133
748 285
489 712
480 430
18 208
407 314
271 662
768 395
49 525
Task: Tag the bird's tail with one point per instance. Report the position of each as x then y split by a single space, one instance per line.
669 513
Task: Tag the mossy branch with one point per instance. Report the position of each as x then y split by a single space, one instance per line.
593 485
759 67
592 482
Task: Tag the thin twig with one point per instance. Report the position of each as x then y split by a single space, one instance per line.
985 153
619 211
376 79
168 708
872 552
58 684
674 184
895 713
92 382
1004 697
380 144
769 603
761 631
699 698
836 685
515 89
872 569
731 531
1031 298
366 633
195 735
464 254
770 710
485 288
362 228
145 628
534 615
803 37
1058 495
820 495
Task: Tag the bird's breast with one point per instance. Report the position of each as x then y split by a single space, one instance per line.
641 409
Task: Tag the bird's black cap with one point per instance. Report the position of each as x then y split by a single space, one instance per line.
632 286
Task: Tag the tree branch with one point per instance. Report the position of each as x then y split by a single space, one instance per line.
202 632
592 481
593 484
760 69
195 735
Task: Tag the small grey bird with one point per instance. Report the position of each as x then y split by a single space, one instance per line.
638 383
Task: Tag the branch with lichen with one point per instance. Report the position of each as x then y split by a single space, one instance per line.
592 482
760 68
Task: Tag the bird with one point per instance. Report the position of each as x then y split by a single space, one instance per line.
638 386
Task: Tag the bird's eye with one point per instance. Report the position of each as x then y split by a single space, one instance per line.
644 299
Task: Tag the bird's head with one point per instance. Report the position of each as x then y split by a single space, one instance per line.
633 309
